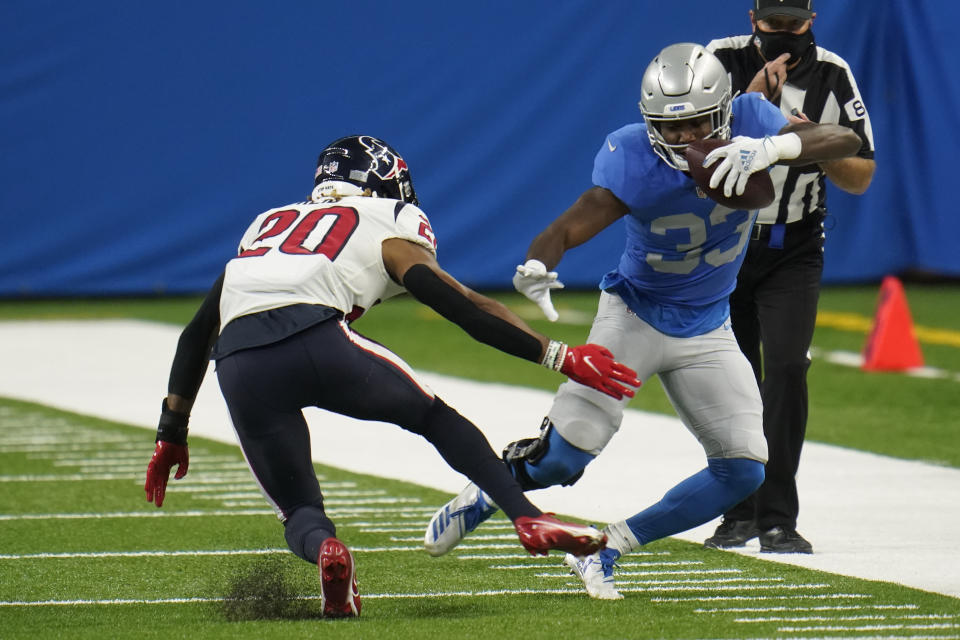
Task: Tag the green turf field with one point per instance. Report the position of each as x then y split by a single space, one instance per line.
82 555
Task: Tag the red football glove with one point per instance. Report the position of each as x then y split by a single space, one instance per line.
164 457
594 366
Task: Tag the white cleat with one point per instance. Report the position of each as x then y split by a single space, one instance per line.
596 573
454 520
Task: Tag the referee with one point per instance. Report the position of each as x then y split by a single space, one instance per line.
774 307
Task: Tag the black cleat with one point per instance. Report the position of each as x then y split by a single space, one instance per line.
783 540
732 533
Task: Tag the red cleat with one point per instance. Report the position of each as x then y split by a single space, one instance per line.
339 594
541 534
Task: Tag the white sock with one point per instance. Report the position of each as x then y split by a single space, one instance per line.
620 538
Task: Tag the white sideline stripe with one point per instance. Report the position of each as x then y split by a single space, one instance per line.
134 514
363 501
506 536
109 456
669 572
365 596
506 556
732 587
703 581
239 504
839 607
845 618
630 564
347 511
162 554
215 489
141 554
872 627
125 458
722 583
872 636
812 619
383 527
74 477
140 467
129 444
816 596
515 556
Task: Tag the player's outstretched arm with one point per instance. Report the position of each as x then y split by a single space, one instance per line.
189 366
490 322
595 210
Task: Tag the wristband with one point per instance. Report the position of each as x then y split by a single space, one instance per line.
173 425
554 356
788 145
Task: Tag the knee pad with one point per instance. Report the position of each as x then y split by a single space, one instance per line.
548 465
306 528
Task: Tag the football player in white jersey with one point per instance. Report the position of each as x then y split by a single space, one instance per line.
277 324
664 310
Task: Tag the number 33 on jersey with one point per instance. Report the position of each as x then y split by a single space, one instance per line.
326 252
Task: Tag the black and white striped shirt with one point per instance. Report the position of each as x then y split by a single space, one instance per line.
824 89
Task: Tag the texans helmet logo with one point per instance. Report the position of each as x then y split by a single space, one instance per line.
385 165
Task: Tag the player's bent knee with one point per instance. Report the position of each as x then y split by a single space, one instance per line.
741 476
306 528
587 422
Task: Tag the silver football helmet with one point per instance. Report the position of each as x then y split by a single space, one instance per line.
684 81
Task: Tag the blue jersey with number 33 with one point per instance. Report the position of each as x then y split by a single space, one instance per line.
682 250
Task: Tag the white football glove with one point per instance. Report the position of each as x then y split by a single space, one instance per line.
745 156
534 281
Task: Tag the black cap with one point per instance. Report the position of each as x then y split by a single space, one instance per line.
802 9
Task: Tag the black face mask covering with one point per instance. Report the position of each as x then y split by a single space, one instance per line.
776 43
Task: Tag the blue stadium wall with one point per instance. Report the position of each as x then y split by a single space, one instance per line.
138 139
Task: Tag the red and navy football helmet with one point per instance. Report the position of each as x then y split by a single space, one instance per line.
368 163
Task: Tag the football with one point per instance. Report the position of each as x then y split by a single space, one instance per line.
757 193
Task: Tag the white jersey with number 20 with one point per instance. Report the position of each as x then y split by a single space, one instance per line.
326 252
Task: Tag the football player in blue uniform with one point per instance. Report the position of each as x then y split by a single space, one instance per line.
664 309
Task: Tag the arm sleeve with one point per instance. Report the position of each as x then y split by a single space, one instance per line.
196 342
427 287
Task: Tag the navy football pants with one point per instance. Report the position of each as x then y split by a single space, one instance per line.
332 367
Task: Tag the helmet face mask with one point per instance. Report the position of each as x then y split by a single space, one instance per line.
368 163
684 82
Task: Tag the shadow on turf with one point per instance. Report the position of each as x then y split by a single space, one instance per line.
263 591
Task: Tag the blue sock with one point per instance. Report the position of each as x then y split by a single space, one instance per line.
561 462
698 499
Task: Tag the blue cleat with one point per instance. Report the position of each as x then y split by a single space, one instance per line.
454 520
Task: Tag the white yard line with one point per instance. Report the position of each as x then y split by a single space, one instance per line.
867 516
